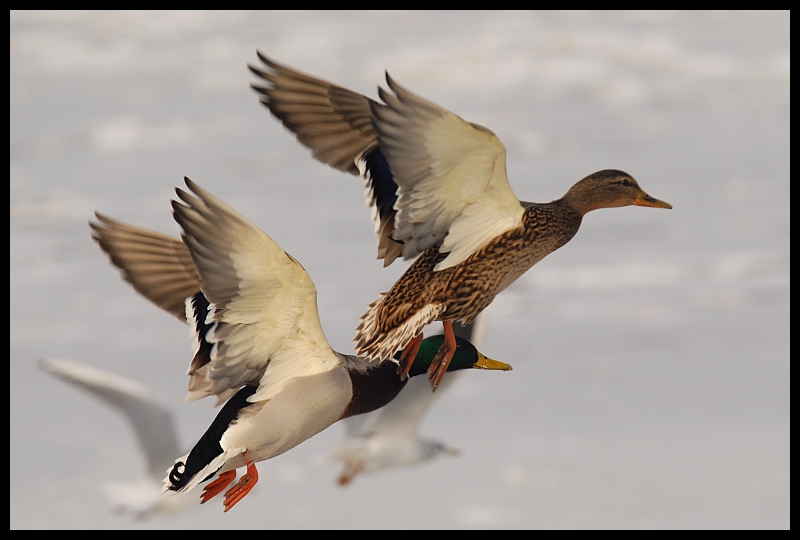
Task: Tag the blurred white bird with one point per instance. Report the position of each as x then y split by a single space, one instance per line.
389 437
152 424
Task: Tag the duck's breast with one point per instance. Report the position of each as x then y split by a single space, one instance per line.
546 227
473 284
305 406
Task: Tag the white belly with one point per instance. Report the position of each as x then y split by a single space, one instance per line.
304 407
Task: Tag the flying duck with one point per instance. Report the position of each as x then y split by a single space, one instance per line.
259 346
439 192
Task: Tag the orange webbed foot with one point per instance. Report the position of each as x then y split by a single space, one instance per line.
215 488
242 487
439 365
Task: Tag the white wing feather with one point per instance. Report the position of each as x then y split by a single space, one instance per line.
264 302
451 176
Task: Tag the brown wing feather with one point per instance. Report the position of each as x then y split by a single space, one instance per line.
159 267
335 123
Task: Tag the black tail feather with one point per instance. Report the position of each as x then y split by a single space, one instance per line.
208 447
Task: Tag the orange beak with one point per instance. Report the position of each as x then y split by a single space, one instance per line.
647 200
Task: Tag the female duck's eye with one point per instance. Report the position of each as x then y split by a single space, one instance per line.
626 183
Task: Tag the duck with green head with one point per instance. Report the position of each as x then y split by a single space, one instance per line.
244 433
439 192
259 345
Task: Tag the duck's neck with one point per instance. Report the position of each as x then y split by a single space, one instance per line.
373 388
580 200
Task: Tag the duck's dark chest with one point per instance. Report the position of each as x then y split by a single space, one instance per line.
373 388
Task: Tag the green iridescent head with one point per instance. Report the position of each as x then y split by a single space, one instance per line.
465 357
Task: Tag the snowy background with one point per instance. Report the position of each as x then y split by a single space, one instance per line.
651 354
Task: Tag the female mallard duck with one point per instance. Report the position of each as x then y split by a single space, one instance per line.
259 344
439 189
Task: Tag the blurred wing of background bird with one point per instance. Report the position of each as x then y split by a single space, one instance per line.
152 425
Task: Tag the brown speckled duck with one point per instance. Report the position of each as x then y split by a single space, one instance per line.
439 190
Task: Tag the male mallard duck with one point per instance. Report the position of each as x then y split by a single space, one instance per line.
259 344
161 269
439 189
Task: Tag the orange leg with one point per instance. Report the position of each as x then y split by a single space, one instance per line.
350 472
442 360
242 487
408 356
215 488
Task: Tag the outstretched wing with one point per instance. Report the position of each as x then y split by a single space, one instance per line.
159 267
431 177
336 124
152 423
451 175
266 327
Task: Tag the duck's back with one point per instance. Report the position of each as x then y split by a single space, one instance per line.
468 288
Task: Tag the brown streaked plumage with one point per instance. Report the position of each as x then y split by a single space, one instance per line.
438 185
469 287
